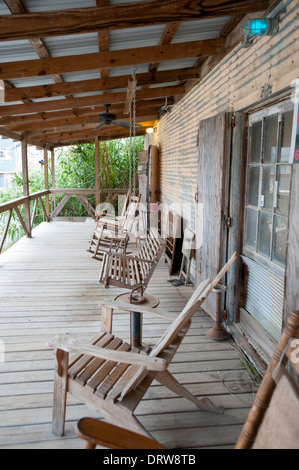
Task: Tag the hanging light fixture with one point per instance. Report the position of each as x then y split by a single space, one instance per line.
259 27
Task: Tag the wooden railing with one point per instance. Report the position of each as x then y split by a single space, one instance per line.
14 205
28 222
111 195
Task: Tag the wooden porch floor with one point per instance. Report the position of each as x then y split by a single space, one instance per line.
48 286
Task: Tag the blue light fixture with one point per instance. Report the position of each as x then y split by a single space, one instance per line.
259 27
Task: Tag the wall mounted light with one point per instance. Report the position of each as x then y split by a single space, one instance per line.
259 27
150 130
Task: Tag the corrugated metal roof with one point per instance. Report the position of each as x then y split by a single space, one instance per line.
200 30
119 71
34 6
77 76
4 9
13 51
32 81
69 45
135 37
74 44
177 64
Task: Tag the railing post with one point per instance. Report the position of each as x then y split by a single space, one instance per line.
53 179
26 187
97 171
46 183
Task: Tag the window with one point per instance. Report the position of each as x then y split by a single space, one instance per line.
268 183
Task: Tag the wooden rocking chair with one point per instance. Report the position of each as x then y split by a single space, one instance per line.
107 242
273 421
108 376
133 272
112 234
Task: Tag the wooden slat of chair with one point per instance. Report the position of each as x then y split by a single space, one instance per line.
110 381
96 363
122 381
115 271
103 371
79 364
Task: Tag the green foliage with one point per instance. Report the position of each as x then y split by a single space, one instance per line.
75 168
36 183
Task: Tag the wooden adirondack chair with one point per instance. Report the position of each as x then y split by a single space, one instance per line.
272 422
108 376
112 234
133 272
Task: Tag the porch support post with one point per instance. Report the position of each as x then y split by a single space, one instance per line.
26 187
97 171
53 179
46 181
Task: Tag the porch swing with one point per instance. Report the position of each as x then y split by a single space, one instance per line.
111 233
133 272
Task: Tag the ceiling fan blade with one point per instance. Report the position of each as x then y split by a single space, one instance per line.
99 127
125 125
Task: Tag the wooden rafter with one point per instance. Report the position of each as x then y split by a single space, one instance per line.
168 35
57 118
84 126
64 138
119 97
84 20
110 83
16 7
112 59
103 37
64 120
131 88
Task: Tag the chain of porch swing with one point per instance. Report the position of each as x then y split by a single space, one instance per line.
132 148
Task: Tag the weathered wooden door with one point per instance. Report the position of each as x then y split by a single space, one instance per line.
214 137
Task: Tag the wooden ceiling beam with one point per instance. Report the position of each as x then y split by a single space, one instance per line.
168 35
131 89
103 38
89 134
85 20
145 121
122 58
81 122
85 86
87 112
16 7
84 140
56 105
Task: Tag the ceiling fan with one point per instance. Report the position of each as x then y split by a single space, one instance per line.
106 119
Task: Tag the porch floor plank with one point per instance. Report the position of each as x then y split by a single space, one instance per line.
48 286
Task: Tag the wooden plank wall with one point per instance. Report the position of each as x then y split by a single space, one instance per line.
238 82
